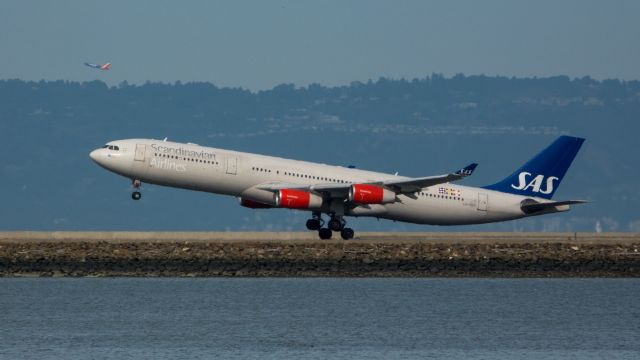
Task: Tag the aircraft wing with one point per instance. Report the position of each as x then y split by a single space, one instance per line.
415 184
275 186
95 66
333 189
402 186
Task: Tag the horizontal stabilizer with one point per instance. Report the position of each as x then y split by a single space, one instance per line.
531 206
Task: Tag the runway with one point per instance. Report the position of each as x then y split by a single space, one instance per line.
298 254
369 237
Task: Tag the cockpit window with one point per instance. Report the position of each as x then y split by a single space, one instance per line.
112 147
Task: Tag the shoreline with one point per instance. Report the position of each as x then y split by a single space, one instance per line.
212 254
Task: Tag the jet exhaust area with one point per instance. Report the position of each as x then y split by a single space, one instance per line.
291 254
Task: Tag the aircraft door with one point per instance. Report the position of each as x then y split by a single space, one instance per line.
483 201
232 165
140 150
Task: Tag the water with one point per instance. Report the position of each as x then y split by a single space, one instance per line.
125 318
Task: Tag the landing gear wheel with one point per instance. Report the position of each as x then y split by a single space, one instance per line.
325 234
313 224
135 195
336 224
347 233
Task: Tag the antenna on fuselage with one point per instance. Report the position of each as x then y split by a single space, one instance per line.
165 139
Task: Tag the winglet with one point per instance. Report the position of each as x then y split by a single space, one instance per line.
467 170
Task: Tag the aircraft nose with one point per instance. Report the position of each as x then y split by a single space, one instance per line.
94 155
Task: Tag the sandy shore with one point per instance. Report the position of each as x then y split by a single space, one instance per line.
302 254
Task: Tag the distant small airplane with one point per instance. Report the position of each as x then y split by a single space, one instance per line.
98 66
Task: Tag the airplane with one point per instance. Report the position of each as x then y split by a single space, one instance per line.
260 181
98 66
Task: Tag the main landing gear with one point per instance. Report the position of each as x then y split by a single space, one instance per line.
136 195
337 223
316 222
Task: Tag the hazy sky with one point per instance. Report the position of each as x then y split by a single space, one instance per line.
259 44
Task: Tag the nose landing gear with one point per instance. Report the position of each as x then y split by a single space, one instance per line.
337 223
136 195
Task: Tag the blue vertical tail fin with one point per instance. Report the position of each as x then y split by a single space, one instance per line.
541 175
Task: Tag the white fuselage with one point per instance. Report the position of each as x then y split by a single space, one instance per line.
238 174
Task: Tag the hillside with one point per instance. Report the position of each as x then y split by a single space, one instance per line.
418 127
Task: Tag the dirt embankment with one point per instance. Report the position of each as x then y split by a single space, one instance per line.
300 254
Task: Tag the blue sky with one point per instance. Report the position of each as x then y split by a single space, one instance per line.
259 44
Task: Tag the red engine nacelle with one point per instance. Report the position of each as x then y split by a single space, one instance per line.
370 194
254 204
297 199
